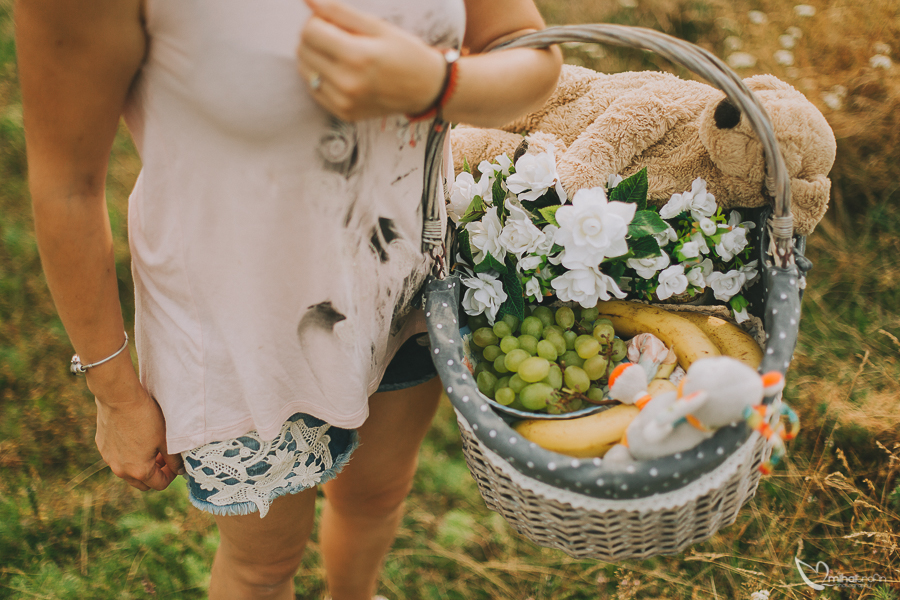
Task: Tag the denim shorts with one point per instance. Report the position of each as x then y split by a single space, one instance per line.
244 475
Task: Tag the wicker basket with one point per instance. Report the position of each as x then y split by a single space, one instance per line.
588 508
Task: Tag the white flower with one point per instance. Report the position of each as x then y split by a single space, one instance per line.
674 207
503 164
542 249
725 285
484 295
535 174
586 286
757 17
613 181
832 100
733 43
741 60
520 235
880 61
488 175
804 10
697 275
750 272
462 192
707 226
734 218
533 288
740 316
784 57
664 238
648 267
591 229
701 203
760 595
787 41
794 31
731 243
690 249
529 263
671 281
484 237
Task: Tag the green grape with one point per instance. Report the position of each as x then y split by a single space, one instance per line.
554 408
587 346
502 382
576 379
565 317
500 364
544 314
554 378
596 394
553 328
595 366
504 396
477 322
604 332
619 350
589 314
491 353
570 358
516 383
512 321
484 337
536 395
509 343
602 321
528 343
517 404
558 341
515 358
480 368
532 326
533 369
570 337
575 404
546 349
486 383
502 329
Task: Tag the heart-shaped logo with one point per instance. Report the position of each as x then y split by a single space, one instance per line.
813 571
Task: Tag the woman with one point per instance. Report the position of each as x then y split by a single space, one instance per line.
276 241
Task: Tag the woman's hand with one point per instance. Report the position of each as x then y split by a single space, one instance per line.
131 430
361 67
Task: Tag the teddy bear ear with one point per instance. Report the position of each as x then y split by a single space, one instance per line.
759 83
726 115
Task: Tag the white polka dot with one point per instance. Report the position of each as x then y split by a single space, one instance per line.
774 311
450 287
437 350
492 433
654 472
454 321
700 455
440 326
782 335
449 390
464 376
597 462
428 314
530 465
512 440
474 426
720 451
533 445
676 475
624 486
783 297
792 281
770 351
630 468
444 304
599 482
576 463
465 398
787 363
678 456
551 466
484 408
793 321
450 363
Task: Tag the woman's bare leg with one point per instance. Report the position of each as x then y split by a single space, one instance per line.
364 504
257 558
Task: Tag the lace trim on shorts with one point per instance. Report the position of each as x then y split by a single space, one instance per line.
246 474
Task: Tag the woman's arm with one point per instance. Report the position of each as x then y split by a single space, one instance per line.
369 68
77 60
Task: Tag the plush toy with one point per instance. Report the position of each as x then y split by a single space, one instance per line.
716 392
600 125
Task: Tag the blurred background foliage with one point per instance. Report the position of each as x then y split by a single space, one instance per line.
69 529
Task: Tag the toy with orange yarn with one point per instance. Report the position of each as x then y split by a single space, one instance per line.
759 418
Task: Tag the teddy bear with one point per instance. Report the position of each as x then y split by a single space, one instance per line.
715 392
600 125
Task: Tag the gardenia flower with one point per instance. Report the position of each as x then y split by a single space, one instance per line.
484 237
613 181
519 236
591 229
732 243
664 238
674 207
707 226
484 295
749 272
698 274
740 316
648 267
701 203
462 192
533 288
536 173
586 287
725 285
671 281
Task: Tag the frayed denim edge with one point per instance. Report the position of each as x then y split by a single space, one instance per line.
393 387
248 508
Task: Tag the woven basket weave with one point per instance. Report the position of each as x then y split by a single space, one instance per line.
590 509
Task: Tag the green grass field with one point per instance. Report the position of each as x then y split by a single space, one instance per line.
69 529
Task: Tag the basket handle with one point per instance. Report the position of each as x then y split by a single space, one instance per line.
715 71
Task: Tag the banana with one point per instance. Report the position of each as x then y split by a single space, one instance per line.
685 338
584 437
730 339
660 386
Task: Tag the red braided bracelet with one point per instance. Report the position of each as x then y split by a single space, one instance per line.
447 88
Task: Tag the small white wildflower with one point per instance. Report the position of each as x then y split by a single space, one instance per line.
613 181
794 31
533 288
760 595
666 237
708 226
671 281
832 100
784 57
787 41
741 60
880 61
484 295
881 48
805 10
648 267
733 43
702 203
757 17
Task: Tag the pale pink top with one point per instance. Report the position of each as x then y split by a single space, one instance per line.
275 249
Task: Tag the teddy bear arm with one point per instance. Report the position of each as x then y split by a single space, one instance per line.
809 201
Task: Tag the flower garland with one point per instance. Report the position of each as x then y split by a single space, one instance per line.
521 238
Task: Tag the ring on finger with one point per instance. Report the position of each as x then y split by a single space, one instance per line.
315 81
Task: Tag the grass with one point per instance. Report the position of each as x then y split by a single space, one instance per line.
69 529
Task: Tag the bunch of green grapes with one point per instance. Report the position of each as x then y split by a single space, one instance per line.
552 361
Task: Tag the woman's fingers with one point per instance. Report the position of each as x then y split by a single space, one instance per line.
346 17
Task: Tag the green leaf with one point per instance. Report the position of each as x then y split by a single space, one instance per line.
549 213
498 193
515 295
475 210
646 222
633 190
466 166
464 248
490 263
645 247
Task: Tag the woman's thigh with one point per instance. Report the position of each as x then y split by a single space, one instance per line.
382 467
